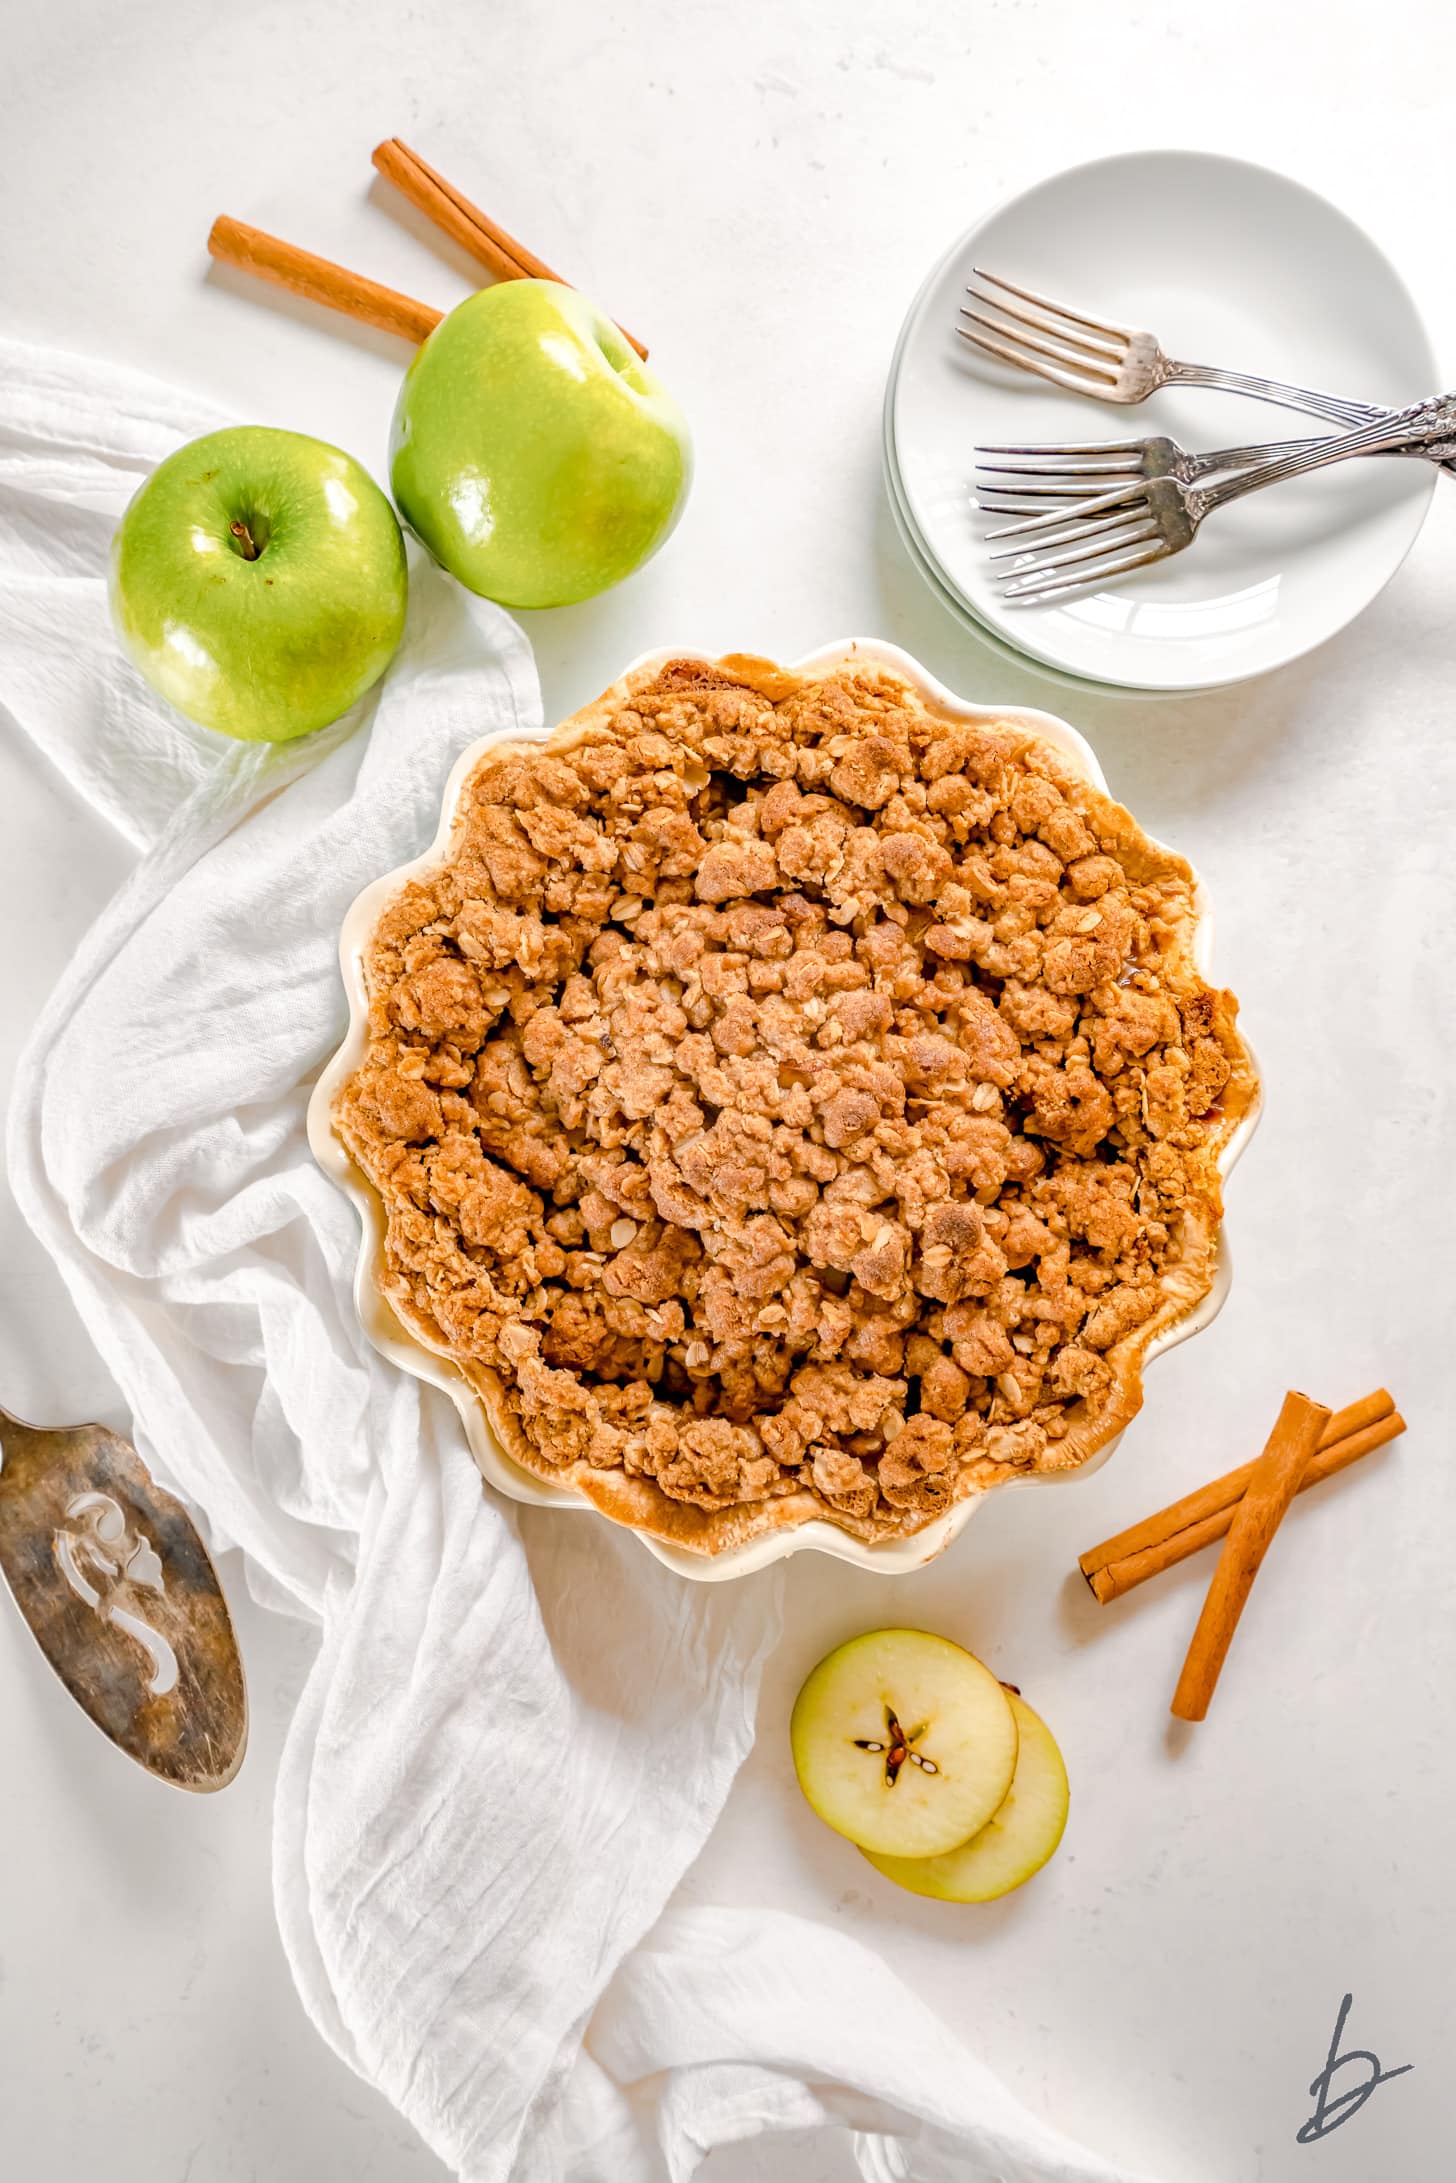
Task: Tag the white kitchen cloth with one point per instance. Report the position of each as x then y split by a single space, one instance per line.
519 1728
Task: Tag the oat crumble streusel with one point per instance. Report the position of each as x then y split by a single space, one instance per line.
787 1102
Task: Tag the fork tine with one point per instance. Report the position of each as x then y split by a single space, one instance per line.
1050 466
1121 566
1044 325
1034 556
1024 505
1025 559
993 499
1124 494
1008 502
1072 380
1016 500
1065 447
1029 295
1085 548
1057 350
1038 500
1033 499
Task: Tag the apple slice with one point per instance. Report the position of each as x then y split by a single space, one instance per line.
1011 1846
904 1742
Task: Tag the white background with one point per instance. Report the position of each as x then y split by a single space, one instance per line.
760 193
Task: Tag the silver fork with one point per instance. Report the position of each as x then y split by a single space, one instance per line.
1116 363
1073 469
1096 537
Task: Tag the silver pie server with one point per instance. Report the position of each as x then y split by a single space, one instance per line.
121 1596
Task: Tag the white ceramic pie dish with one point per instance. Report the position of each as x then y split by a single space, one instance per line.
894 1557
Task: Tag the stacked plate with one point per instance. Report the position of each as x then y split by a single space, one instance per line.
1229 265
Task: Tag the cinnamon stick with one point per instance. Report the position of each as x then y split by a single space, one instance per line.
1115 1578
1272 1485
458 219
486 240
1160 1541
235 243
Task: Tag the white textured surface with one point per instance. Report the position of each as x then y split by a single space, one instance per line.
762 201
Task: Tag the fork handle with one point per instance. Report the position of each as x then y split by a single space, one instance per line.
1308 399
1218 459
1426 427
1314 404
1244 458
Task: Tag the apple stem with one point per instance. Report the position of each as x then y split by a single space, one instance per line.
245 538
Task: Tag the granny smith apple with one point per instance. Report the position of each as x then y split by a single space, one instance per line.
533 451
258 581
902 1739
1016 1841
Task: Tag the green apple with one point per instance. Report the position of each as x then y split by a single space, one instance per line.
1012 1845
258 581
533 452
904 1742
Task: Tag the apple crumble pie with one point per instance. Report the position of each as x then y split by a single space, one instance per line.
788 1102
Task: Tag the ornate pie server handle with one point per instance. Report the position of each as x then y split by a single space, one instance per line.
120 1594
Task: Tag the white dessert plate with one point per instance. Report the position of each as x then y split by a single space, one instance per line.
388 1333
956 606
1227 264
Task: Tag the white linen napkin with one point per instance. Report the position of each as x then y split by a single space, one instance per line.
519 1728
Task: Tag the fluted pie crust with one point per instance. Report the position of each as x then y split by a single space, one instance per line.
788 1103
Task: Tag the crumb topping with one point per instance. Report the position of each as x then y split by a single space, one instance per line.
785 1093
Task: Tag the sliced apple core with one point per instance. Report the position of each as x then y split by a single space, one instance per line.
904 1742
1013 1844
